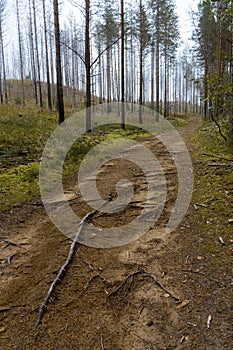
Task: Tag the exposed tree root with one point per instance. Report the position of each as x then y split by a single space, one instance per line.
62 270
146 274
64 267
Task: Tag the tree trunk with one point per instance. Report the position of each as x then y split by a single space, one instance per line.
88 67
100 76
52 70
37 53
60 101
3 61
47 60
165 82
33 63
157 67
20 52
152 75
141 67
122 65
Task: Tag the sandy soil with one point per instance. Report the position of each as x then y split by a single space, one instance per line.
140 315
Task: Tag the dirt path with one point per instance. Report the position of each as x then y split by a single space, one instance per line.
81 314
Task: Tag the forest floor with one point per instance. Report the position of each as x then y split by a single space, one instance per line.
192 263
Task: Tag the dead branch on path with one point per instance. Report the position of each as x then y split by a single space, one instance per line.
220 165
203 274
8 242
92 279
91 268
217 156
4 309
9 308
8 260
62 270
219 127
102 341
146 274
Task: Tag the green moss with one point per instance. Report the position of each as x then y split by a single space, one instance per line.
23 134
19 185
214 190
22 140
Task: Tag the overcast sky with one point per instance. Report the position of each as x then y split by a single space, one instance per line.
183 9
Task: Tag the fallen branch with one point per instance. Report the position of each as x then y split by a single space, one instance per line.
8 260
91 268
220 165
9 308
4 309
62 270
102 341
196 205
8 242
204 274
92 279
217 156
147 274
219 128
209 319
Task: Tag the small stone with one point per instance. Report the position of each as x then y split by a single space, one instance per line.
150 323
183 304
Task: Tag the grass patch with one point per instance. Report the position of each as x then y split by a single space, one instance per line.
19 185
23 135
180 119
214 190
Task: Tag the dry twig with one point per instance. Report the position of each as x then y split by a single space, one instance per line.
88 264
8 242
102 341
220 165
209 319
146 274
204 274
9 308
8 260
62 270
217 156
92 279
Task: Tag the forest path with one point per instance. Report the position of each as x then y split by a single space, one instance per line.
81 315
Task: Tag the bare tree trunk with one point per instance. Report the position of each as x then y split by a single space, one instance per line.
73 73
115 77
20 52
206 90
1 95
141 68
37 53
122 65
157 68
165 83
47 60
51 43
108 60
100 76
119 73
88 67
126 73
3 61
33 64
60 101
152 75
